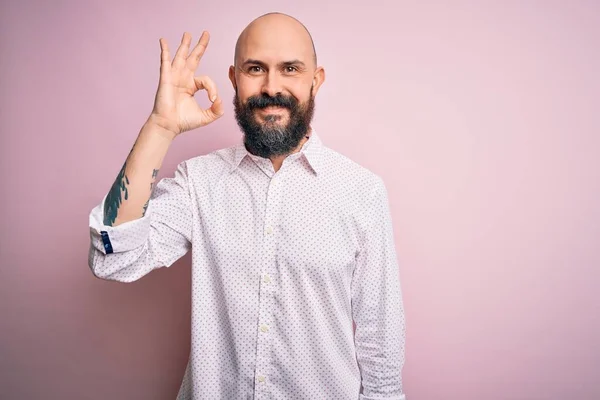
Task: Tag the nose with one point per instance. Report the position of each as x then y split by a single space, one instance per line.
272 84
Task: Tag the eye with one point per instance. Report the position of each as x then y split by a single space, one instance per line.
291 68
254 69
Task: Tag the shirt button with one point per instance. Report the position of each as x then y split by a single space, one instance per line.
267 279
264 328
269 230
261 378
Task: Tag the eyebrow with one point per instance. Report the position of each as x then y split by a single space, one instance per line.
281 64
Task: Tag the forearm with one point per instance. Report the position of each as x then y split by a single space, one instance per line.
127 252
128 197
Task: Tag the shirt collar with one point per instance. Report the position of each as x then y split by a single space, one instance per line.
312 151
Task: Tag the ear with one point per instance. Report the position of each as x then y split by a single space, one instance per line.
318 79
232 76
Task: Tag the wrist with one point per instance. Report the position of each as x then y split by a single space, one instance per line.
161 126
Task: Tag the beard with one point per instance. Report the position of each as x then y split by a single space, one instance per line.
272 137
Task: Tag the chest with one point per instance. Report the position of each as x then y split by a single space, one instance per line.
300 223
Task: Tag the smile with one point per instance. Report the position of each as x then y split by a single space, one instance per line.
273 110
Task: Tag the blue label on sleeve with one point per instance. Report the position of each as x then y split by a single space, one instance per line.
106 240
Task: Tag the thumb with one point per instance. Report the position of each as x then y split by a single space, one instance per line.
204 117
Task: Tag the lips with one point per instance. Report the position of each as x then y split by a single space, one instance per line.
273 109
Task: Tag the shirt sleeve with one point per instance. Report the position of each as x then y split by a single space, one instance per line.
128 251
377 307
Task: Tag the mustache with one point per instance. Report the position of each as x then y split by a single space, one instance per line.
265 100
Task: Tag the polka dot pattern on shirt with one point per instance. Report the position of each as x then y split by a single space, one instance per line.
282 264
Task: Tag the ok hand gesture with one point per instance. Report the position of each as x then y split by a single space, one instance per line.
175 108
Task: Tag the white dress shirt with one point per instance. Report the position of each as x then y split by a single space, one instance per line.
282 264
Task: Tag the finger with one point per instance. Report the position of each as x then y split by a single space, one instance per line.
182 51
204 82
165 60
198 51
216 108
213 113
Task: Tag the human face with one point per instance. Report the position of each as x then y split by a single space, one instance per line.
275 80
273 106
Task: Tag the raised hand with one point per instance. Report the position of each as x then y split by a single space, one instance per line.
175 108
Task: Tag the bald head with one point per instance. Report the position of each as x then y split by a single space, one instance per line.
275 33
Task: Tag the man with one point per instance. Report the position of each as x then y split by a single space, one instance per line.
291 242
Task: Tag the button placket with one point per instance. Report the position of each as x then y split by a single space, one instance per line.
267 285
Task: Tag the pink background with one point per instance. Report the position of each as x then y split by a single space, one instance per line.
481 116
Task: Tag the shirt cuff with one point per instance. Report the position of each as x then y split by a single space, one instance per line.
123 237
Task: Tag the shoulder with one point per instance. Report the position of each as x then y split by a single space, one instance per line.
339 167
215 162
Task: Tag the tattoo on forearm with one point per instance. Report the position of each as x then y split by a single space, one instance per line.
113 199
154 175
